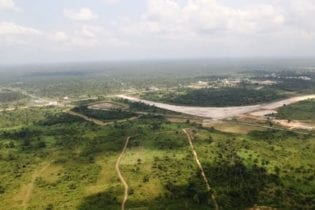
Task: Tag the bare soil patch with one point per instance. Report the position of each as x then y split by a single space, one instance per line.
105 106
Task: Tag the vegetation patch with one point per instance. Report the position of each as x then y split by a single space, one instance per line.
304 110
219 97
142 107
7 96
112 114
269 168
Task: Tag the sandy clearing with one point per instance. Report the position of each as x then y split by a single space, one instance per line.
263 113
230 126
105 106
221 112
294 124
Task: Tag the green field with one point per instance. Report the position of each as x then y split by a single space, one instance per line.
59 161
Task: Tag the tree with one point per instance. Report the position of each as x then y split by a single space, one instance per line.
2 190
146 178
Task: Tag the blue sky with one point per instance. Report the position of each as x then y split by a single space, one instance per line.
82 30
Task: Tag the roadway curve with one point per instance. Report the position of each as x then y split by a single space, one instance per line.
221 112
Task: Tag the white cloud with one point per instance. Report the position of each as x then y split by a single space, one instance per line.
299 14
85 36
58 36
9 28
111 1
82 14
209 17
7 5
175 28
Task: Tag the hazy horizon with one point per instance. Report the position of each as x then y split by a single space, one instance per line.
258 59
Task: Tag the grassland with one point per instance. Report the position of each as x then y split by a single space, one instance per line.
72 162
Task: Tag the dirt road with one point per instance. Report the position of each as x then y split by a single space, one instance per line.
97 122
220 112
201 169
29 188
123 181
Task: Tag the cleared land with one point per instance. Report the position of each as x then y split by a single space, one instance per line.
295 124
105 106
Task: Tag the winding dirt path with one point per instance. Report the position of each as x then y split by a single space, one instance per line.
201 169
29 188
123 181
97 122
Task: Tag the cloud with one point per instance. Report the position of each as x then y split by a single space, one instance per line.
111 1
9 28
7 5
82 14
58 36
82 36
298 14
211 27
209 17
173 28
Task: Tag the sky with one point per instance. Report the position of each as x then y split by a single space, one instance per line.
37 31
